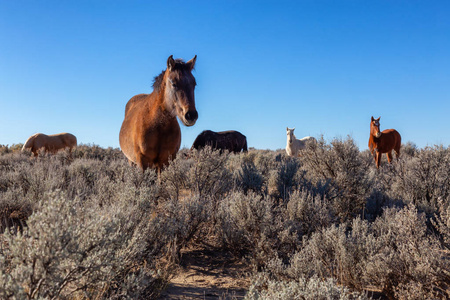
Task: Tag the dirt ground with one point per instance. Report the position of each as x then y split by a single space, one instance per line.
208 274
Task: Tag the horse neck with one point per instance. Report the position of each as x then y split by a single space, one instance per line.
291 138
374 138
157 99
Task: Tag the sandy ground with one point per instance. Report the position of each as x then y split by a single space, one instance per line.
208 274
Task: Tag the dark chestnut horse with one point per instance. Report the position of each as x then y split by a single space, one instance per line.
231 140
383 141
50 143
150 134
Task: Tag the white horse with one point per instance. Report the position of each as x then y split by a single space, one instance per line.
293 145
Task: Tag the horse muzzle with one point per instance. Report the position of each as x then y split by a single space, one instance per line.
190 117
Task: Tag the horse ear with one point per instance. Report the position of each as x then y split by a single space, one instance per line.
191 63
170 63
287 128
372 119
378 118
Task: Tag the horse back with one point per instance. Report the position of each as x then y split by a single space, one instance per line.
395 135
231 140
390 139
135 101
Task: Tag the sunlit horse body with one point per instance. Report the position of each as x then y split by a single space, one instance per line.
294 145
383 141
150 134
230 140
50 143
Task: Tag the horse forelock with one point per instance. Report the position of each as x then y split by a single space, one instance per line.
180 65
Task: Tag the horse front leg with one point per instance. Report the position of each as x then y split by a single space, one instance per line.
378 159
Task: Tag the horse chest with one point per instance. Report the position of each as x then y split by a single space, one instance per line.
290 149
162 138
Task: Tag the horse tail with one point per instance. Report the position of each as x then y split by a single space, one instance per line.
71 140
245 145
29 142
398 143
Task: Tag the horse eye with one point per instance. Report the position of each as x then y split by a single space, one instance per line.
174 85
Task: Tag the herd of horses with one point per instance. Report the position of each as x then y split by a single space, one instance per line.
150 135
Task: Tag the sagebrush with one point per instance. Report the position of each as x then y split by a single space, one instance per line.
326 225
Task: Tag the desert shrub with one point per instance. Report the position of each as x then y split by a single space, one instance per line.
313 288
179 223
175 178
339 173
208 174
266 160
407 256
252 170
69 249
247 225
98 153
424 178
442 222
286 178
249 178
394 254
4 149
408 150
307 213
292 220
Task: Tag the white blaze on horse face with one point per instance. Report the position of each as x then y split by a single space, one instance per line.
376 124
180 98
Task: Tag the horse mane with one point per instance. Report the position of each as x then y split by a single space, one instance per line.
179 65
29 142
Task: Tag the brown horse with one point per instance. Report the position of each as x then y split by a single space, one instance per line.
383 141
150 134
231 140
50 143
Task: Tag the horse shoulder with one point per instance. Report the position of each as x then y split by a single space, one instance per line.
134 129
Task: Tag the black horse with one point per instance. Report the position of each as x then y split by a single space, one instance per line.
230 140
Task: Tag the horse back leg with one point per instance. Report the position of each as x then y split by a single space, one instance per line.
397 150
389 156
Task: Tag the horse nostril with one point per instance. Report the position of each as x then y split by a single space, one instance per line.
191 115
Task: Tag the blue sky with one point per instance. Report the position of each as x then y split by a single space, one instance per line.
323 67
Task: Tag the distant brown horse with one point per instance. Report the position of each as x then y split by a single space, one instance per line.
231 140
150 134
50 143
383 141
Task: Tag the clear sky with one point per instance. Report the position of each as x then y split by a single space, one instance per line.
323 67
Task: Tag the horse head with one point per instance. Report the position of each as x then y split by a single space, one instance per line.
179 91
375 127
290 134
